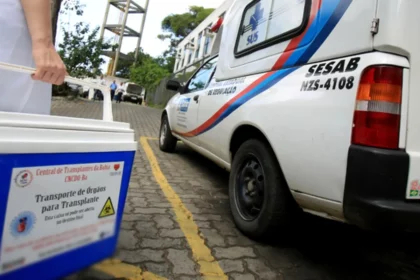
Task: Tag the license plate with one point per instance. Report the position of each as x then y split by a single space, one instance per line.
133 98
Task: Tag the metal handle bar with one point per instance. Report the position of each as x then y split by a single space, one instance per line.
107 104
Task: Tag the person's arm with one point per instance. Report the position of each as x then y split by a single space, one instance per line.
49 66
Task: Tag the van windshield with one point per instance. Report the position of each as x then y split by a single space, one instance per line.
134 89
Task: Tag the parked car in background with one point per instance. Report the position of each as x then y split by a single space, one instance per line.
85 93
86 89
77 89
133 93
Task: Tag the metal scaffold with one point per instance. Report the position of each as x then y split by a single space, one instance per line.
121 29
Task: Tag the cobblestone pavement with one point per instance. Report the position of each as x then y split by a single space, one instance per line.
151 238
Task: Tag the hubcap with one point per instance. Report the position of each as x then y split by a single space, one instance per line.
249 188
163 131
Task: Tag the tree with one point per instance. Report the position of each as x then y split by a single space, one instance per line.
148 74
182 24
63 7
81 51
124 66
177 27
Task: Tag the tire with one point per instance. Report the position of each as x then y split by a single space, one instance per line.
167 142
140 102
257 182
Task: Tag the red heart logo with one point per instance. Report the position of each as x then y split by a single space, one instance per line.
116 167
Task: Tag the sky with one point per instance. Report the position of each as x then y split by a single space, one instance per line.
158 9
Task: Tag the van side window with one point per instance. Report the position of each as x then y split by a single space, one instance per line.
201 79
268 22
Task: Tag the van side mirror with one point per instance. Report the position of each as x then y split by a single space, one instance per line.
173 85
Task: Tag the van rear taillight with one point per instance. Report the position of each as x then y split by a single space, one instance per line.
377 116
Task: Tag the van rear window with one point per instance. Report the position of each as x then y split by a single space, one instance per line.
267 22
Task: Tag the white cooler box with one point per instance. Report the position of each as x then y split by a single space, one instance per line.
63 186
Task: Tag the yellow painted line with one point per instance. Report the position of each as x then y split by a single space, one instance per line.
118 269
209 267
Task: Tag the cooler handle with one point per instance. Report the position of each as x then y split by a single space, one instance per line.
107 108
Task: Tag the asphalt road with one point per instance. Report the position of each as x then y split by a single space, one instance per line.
177 223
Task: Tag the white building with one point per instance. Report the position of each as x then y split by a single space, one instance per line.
198 44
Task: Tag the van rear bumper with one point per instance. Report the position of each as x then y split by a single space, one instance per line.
375 190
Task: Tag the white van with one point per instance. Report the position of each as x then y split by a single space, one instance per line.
312 105
133 93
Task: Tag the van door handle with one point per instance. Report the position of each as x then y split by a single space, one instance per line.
196 98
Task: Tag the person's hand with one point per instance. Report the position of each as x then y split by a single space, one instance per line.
49 66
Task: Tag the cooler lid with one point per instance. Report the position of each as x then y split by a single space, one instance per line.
61 123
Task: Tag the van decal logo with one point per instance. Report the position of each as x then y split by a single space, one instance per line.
183 104
255 20
256 17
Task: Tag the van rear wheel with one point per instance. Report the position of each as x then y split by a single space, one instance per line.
260 200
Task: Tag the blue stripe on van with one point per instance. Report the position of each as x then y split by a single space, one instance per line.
326 29
325 13
263 86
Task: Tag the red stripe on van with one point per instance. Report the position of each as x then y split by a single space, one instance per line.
213 118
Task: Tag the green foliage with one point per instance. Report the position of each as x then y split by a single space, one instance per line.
124 66
81 51
68 6
63 7
170 63
166 62
177 27
148 73
182 24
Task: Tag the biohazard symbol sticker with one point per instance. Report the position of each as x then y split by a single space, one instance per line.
107 210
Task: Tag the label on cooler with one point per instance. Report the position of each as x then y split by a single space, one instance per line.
55 209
